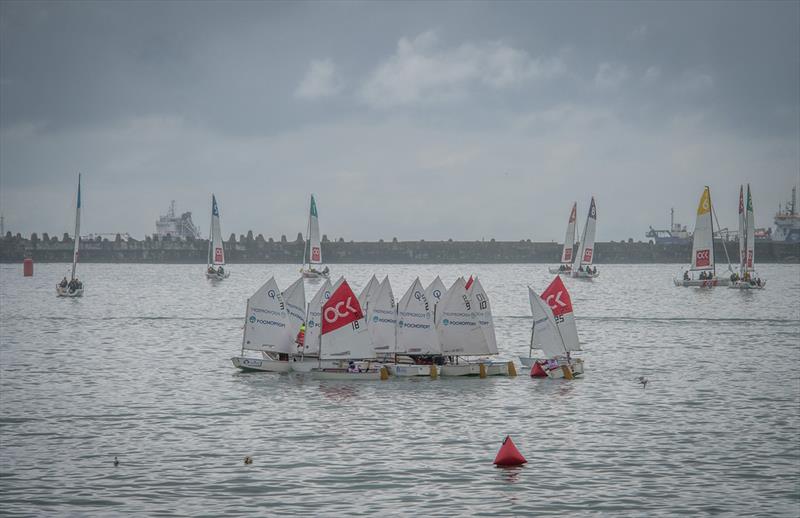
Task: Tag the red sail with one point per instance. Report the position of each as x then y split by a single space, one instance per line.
557 297
341 309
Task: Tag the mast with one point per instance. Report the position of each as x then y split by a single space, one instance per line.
77 230
307 244
244 333
711 217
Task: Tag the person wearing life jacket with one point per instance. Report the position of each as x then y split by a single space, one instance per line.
64 282
301 337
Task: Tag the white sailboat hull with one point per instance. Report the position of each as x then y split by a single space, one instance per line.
559 271
403 370
260 364
307 363
217 277
314 274
65 292
746 285
583 275
346 375
702 283
489 368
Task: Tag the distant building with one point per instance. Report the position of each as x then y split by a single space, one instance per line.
787 221
176 227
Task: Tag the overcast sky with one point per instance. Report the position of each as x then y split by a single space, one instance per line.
415 120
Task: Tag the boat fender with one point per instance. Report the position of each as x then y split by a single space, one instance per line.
482 370
567 372
384 373
434 373
509 455
537 371
512 369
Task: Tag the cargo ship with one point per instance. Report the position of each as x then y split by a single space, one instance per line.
787 221
676 235
176 227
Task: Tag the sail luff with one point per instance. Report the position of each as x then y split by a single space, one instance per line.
569 238
742 232
586 249
217 250
315 250
751 234
77 244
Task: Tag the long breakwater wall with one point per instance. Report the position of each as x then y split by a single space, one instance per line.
259 250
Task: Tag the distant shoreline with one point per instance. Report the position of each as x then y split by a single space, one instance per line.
249 250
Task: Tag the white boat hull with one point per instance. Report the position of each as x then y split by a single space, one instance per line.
403 370
344 374
260 364
305 364
480 369
314 274
702 283
64 292
584 275
217 277
559 271
746 285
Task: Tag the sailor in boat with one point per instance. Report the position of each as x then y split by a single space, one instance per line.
221 271
301 338
64 282
211 270
686 275
352 367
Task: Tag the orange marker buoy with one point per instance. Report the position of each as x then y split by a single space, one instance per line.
509 455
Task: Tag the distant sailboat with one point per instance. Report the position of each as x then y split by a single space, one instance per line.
569 243
312 251
215 269
73 287
554 333
747 279
703 249
581 264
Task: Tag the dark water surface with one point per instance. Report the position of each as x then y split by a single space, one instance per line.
139 368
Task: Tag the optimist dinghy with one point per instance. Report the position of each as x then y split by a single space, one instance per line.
555 333
307 355
216 252
382 320
345 337
466 331
417 349
582 264
73 287
747 278
569 242
266 329
703 249
312 251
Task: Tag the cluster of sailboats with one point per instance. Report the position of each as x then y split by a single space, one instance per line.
432 331
702 272
579 265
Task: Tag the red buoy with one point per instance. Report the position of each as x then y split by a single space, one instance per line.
537 371
27 267
509 455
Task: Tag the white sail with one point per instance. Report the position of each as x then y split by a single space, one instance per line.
314 319
350 340
370 290
382 319
77 244
336 284
267 321
751 234
457 323
483 310
435 293
313 247
586 249
742 233
703 239
545 333
295 299
569 239
216 252
416 330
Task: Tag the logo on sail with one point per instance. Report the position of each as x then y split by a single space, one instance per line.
702 258
315 254
341 309
587 255
218 258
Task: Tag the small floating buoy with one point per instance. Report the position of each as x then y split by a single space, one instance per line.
509 455
116 461
248 459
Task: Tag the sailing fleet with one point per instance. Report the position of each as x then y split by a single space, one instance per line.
432 331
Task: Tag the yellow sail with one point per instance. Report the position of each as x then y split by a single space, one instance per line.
705 203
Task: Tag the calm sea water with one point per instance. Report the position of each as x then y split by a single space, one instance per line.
139 369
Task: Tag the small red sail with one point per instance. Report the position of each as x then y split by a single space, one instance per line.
341 309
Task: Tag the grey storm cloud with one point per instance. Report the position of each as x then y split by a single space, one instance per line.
434 120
